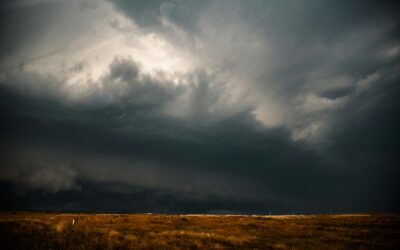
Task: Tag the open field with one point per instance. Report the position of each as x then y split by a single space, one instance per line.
50 230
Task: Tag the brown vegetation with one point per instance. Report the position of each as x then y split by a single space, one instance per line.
41 230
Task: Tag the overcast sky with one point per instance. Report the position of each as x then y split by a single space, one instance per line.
200 106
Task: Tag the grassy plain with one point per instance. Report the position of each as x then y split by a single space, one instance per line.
51 230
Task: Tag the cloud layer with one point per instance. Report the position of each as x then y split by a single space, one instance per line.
182 106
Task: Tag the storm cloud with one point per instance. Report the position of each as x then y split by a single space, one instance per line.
200 106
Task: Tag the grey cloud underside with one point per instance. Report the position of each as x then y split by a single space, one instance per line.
140 142
233 156
126 142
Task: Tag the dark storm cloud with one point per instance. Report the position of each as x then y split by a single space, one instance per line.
366 143
314 127
84 139
138 199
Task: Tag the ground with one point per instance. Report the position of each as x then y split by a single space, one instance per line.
51 230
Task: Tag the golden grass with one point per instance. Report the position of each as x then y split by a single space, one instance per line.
50 230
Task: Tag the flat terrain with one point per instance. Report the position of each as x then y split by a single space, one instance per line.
50 230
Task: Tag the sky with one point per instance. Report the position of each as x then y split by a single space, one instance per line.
183 106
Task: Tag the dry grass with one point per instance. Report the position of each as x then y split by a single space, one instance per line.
41 230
